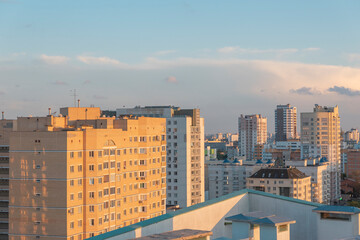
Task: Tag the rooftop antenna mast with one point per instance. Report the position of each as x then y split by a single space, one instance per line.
73 94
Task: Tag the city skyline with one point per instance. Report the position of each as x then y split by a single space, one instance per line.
241 55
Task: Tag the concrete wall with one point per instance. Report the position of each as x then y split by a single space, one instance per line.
306 223
208 218
328 229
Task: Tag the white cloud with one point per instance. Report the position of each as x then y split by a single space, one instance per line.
165 52
311 49
237 49
102 61
54 59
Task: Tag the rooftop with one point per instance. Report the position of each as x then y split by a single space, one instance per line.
337 209
283 173
183 234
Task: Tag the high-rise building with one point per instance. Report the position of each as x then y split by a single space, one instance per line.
252 131
352 136
185 151
6 127
79 175
285 122
320 137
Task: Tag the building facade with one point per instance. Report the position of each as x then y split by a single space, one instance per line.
289 182
352 169
6 127
285 122
352 136
185 152
320 137
319 171
79 175
252 131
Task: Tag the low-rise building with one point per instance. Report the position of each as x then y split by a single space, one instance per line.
289 182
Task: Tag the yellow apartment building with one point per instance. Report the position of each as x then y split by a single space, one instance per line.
78 175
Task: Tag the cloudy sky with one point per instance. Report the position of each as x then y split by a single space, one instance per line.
225 57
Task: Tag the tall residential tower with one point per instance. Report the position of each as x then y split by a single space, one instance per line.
320 137
79 175
285 122
185 151
252 131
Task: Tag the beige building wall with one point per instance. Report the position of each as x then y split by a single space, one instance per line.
320 137
252 131
6 127
74 183
299 188
185 152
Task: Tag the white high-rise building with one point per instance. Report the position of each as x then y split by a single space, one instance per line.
252 131
320 137
185 151
285 122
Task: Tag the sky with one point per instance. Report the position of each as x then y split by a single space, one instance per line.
225 57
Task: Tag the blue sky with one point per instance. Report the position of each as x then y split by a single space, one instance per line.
226 57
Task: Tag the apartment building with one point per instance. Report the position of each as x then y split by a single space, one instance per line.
352 136
320 137
227 176
6 127
185 151
352 167
252 131
285 122
289 182
78 175
319 171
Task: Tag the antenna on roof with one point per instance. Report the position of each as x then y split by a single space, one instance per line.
74 95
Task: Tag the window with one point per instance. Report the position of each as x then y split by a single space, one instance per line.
79 168
336 216
71 168
92 222
112 164
91 208
71 182
106 165
91 195
79 182
112 152
100 154
80 195
91 153
72 225
91 181
79 154
91 168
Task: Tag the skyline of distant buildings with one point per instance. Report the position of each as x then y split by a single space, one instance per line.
142 185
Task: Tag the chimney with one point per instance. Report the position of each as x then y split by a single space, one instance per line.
49 111
2 116
78 103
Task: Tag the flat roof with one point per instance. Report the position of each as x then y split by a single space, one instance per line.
337 209
183 234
